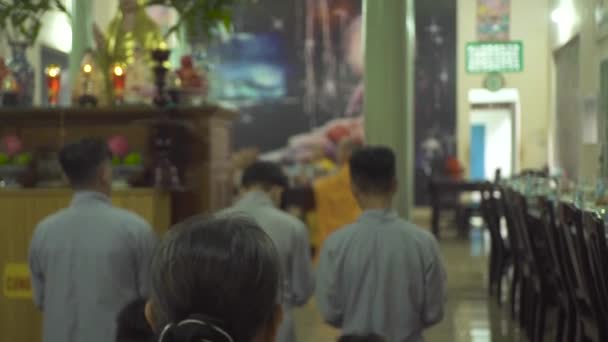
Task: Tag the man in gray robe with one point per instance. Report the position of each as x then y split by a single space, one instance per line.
90 259
263 184
380 275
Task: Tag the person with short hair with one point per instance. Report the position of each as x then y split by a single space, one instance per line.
216 279
89 260
381 275
263 184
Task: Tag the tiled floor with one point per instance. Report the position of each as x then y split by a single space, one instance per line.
470 317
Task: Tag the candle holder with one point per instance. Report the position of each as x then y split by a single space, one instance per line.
53 82
10 91
160 56
118 82
165 137
87 98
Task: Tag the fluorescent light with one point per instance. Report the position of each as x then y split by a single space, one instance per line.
557 15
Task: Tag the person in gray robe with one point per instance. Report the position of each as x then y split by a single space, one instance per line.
380 275
262 186
90 259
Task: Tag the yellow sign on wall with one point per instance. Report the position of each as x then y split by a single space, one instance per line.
17 281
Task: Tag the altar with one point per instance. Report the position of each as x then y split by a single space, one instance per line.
205 172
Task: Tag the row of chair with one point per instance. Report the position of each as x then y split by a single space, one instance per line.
557 258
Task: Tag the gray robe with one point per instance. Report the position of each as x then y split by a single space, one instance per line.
291 239
381 275
87 262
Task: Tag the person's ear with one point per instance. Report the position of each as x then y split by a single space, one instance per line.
148 312
276 193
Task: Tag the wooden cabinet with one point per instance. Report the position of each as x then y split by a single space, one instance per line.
206 146
206 174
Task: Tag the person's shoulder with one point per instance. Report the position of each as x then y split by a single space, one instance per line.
287 219
341 235
421 235
51 221
130 218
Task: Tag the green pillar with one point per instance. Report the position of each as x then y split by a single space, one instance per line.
82 32
389 80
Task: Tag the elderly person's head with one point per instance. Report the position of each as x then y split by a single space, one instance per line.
215 279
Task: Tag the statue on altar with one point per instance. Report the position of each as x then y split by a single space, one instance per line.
130 37
89 84
130 29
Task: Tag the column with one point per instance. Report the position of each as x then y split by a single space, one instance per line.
82 32
389 80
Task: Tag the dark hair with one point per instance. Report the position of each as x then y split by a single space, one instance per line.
265 174
80 160
361 338
215 279
132 324
373 169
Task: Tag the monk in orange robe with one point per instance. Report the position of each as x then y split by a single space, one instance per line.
335 203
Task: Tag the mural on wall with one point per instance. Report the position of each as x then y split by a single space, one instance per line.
435 92
493 20
293 64
295 71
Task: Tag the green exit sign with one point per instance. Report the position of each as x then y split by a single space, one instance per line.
487 57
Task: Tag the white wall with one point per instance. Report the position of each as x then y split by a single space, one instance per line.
529 23
499 139
579 22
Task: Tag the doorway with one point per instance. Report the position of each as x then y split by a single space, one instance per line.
492 142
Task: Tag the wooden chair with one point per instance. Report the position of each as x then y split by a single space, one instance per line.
594 234
516 249
564 289
539 259
500 253
530 285
585 294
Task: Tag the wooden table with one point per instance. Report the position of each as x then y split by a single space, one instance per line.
440 189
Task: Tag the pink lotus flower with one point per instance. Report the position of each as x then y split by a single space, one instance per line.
118 145
12 145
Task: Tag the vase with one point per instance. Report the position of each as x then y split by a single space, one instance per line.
23 72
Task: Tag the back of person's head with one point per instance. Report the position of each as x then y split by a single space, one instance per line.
215 279
132 325
86 163
361 338
265 176
373 170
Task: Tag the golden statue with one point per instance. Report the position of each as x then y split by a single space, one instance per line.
130 30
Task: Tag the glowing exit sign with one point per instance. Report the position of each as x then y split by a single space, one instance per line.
487 57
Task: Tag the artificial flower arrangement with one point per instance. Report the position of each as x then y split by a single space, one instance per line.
14 161
121 153
12 152
126 163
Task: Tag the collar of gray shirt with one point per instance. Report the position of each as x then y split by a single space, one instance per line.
378 214
257 198
87 197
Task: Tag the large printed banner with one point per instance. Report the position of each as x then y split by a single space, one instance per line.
295 71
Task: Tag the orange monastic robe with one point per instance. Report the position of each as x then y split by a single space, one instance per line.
336 205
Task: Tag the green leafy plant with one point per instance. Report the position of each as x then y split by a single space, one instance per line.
21 20
199 18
